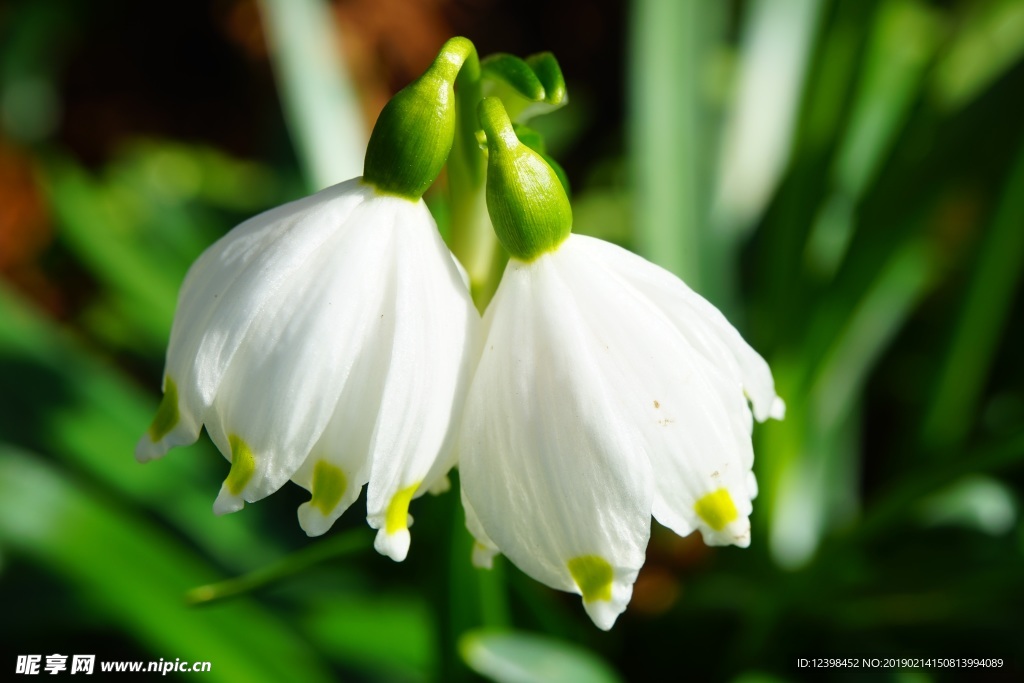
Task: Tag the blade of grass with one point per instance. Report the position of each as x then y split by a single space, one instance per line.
797 491
319 101
519 657
894 502
59 400
776 43
391 638
327 549
136 575
990 42
995 277
670 42
904 39
105 238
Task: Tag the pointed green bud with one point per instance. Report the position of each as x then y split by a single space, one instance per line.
527 203
413 135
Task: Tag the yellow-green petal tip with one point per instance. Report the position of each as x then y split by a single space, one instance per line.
593 575
167 415
717 509
243 465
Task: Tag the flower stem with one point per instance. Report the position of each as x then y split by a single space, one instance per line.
332 548
472 239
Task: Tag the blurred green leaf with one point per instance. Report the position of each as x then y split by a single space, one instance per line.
775 51
136 576
898 500
975 502
868 330
394 637
670 136
989 42
100 228
139 225
319 101
902 44
812 481
519 657
513 72
983 317
527 87
83 412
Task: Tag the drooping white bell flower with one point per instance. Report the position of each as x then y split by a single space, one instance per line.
329 341
607 392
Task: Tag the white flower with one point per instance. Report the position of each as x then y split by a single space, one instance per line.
607 392
325 341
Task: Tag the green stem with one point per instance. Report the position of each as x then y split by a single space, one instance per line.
472 239
332 548
494 610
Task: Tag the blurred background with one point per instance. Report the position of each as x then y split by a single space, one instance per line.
844 178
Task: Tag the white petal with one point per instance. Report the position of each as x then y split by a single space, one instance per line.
555 473
484 548
328 341
230 285
430 360
693 417
339 464
703 325
283 383
226 289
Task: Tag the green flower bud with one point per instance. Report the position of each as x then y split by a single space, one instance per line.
413 135
527 203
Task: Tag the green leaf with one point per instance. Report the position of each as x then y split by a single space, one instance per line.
396 638
99 228
670 139
527 87
776 45
548 71
135 575
975 502
84 413
319 101
901 496
520 657
808 485
515 73
990 42
983 317
903 42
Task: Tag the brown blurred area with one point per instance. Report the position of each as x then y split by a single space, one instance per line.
25 230
200 72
